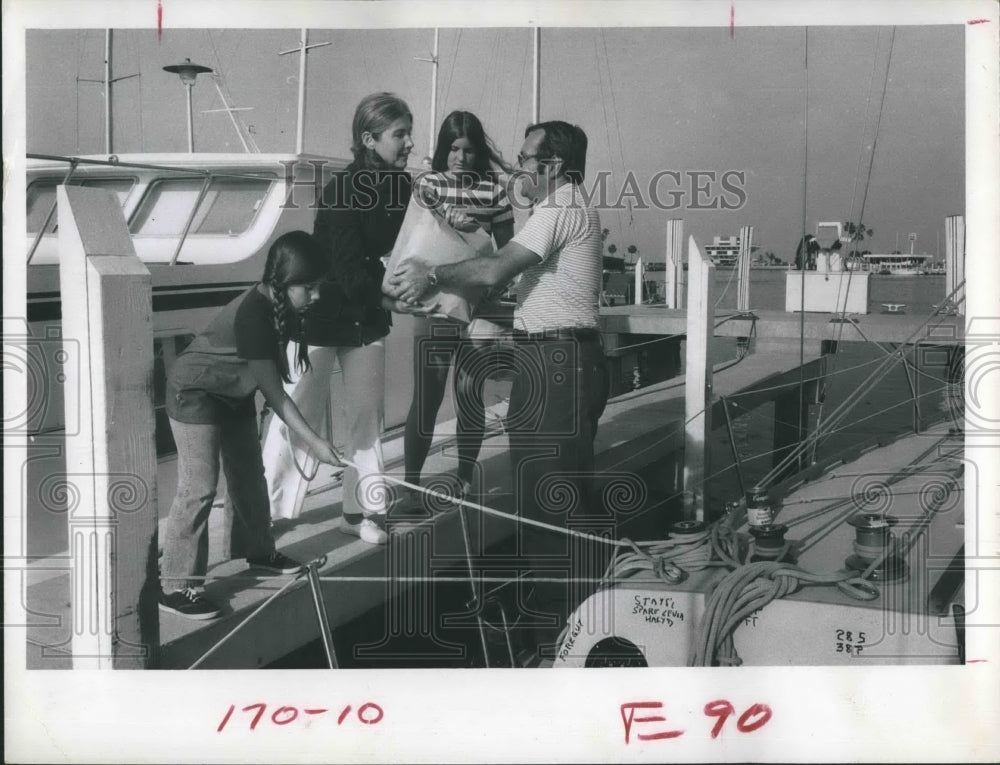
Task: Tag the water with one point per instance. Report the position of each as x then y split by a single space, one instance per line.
883 413
767 291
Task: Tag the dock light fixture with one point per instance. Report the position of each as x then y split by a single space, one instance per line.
188 73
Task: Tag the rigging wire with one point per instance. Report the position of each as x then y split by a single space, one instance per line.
864 198
873 379
490 64
607 123
79 64
804 243
614 113
516 113
116 119
138 67
451 73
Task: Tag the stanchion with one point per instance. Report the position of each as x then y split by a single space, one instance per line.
321 617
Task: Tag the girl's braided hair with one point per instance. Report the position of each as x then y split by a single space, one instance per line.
294 258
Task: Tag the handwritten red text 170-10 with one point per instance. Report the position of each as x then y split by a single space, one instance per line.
368 713
752 718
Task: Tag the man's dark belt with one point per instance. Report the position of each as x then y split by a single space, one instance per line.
583 334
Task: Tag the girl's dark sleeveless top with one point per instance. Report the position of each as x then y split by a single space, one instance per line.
360 214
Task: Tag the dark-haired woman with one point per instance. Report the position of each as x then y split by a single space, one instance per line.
462 188
210 405
361 212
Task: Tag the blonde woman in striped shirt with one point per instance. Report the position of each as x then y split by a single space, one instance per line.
460 186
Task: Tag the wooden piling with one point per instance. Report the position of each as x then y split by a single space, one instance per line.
674 264
954 260
637 285
743 285
698 379
110 455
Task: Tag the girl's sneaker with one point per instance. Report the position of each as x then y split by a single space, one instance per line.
276 563
188 603
367 528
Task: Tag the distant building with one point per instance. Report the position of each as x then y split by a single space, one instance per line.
725 250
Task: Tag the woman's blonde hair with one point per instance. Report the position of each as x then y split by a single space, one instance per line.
375 114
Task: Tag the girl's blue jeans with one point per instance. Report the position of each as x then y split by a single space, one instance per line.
201 449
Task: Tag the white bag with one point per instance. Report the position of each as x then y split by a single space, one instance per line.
425 235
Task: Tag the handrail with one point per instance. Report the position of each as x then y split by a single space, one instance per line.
206 173
115 162
190 221
52 211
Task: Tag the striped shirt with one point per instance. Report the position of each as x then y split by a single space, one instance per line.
484 201
562 291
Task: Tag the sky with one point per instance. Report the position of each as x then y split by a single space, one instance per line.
798 111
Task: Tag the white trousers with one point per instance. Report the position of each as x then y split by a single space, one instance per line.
363 371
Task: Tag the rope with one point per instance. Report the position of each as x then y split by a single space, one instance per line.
672 559
752 586
497 513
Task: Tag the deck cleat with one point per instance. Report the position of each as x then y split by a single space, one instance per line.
769 543
685 528
873 541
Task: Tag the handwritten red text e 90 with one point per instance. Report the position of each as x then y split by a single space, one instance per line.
754 717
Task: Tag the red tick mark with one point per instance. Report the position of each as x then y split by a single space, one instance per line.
159 21
979 21
976 661
314 711
732 20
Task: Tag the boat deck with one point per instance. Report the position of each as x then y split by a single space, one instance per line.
636 430
916 481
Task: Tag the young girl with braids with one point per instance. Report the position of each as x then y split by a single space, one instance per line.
210 404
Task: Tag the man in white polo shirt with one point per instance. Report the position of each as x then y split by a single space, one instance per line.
561 385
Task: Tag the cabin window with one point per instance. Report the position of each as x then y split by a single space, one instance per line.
228 208
41 195
165 353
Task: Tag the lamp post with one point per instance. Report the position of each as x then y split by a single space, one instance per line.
188 73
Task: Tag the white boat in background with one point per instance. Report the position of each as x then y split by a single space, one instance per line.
895 264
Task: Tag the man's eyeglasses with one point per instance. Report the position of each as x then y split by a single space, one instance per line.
522 158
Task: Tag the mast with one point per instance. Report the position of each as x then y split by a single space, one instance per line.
108 135
302 50
536 80
433 61
237 126
108 81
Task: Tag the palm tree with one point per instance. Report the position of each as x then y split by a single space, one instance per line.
605 232
856 232
632 250
612 249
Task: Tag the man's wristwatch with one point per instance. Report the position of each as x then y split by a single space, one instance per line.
432 278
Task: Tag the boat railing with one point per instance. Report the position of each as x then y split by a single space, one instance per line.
207 174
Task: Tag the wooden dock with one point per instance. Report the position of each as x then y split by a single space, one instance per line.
636 430
781 326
